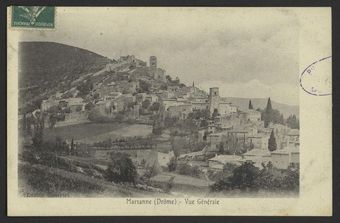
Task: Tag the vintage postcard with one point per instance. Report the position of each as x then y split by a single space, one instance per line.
169 111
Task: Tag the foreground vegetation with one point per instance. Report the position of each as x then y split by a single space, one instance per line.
248 178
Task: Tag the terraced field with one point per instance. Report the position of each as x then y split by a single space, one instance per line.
94 132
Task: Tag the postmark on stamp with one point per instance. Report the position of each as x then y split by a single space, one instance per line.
33 16
316 78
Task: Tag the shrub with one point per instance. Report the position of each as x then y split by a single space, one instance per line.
172 164
121 169
248 177
186 169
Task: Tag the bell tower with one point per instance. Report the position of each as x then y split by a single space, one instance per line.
214 99
153 62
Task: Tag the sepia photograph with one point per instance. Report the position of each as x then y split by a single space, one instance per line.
161 106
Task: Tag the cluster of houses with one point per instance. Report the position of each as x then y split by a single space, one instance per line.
114 90
117 89
70 110
227 121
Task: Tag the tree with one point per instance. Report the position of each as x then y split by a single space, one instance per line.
146 104
199 114
37 138
291 180
269 105
270 115
172 164
164 87
72 147
267 114
121 169
221 147
251 146
156 128
234 145
269 178
89 106
152 170
155 106
170 121
168 78
293 122
272 142
144 86
282 120
54 109
186 169
128 107
204 123
205 136
52 120
250 106
244 176
38 131
85 88
58 143
221 185
248 177
215 113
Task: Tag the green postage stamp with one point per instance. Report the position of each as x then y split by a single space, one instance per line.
33 16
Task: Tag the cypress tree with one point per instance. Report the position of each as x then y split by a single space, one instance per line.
282 120
250 106
268 114
269 105
72 146
272 142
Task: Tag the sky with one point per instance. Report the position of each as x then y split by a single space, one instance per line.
251 53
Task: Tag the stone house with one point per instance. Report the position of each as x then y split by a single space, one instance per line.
219 161
198 156
257 157
282 158
158 74
152 98
49 103
180 111
173 102
259 141
215 139
250 115
75 104
226 108
199 103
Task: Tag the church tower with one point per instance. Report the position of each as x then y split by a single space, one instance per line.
153 62
214 99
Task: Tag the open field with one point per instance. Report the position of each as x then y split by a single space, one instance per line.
93 132
124 131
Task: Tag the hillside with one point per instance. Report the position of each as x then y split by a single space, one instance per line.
37 59
285 109
50 65
47 67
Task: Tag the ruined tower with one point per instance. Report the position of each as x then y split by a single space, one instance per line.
214 99
153 62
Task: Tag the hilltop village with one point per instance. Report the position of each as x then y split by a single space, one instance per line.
190 138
